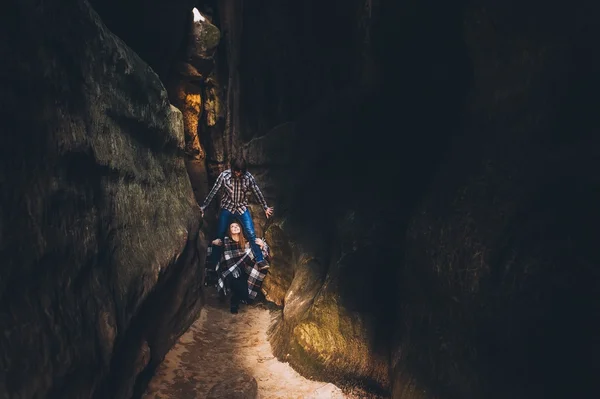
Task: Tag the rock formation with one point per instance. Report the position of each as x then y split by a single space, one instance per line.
157 30
497 290
102 259
426 187
192 89
431 165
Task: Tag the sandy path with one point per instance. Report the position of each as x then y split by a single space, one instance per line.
220 344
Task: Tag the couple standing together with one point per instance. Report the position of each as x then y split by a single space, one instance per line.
240 264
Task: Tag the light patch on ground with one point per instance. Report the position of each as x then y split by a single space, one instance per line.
220 345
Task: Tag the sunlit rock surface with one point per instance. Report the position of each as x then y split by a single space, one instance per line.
187 85
101 258
191 88
281 272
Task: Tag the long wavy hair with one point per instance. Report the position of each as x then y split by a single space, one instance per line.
242 239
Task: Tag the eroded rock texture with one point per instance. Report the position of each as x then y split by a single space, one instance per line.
181 49
189 83
432 170
432 167
500 275
191 88
155 29
99 231
303 128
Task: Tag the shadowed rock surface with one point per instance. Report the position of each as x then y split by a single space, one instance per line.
157 30
99 232
433 167
500 279
324 155
436 159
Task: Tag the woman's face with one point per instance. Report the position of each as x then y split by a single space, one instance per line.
234 228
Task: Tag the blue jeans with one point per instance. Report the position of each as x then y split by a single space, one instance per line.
245 220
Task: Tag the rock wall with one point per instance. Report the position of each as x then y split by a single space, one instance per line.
499 282
425 161
102 259
431 165
182 52
319 130
316 102
157 30
191 87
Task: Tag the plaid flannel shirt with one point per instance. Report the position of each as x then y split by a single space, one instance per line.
234 197
232 261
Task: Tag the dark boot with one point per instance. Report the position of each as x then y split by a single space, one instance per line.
235 304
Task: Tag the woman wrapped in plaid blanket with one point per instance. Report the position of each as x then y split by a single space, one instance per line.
237 271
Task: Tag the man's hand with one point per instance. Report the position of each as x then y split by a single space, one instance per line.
269 212
260 242
201 212
217 242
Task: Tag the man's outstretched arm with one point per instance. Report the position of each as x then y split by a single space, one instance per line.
260 197
212 193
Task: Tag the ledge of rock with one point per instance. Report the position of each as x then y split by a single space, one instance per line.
101 250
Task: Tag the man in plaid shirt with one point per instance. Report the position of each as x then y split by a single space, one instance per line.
235 183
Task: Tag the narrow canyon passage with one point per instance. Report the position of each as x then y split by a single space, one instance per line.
432 166
220 346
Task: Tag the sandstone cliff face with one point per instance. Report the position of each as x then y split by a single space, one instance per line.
432 167
181 51
99 231
331 166
191 86
416 155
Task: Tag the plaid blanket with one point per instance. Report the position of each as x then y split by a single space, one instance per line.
236 260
